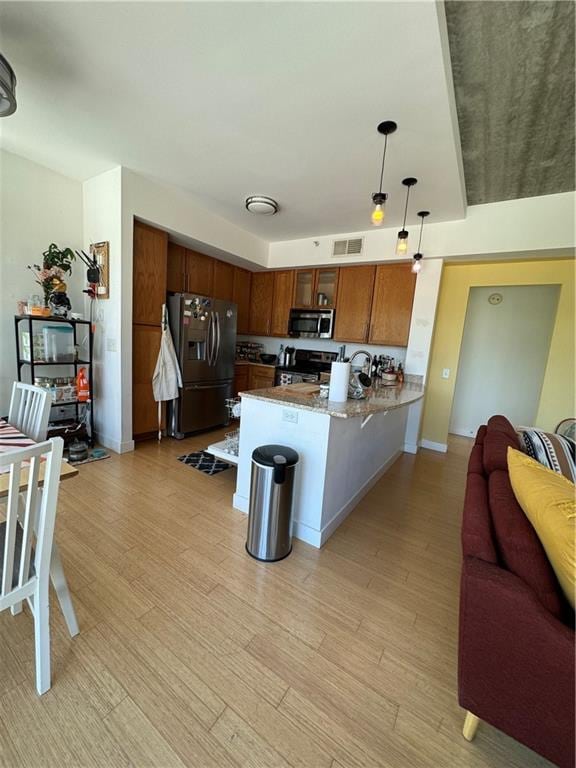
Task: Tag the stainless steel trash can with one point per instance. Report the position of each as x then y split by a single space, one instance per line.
270 513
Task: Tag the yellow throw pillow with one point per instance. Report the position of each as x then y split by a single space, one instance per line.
548 500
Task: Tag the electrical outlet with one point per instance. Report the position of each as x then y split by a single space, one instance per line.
446 373
110 344
291 416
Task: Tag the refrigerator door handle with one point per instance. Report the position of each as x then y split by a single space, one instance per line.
209 385
210 339
214 338
217 353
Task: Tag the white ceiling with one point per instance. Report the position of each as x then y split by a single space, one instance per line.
231 99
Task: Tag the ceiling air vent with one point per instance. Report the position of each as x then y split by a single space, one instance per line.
352 247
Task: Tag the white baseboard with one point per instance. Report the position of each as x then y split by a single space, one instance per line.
340 516
115 445
241 503
311 535
307 534
463 432
410 448
432 446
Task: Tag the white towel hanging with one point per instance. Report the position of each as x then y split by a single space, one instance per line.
167 378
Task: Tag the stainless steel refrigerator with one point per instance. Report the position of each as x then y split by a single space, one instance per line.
204 334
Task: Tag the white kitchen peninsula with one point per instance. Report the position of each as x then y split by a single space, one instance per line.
344 448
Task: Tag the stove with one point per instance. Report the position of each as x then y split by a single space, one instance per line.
308 365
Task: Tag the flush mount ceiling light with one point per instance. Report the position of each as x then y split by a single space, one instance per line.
379 198
7 88
417 258
402 244
261 204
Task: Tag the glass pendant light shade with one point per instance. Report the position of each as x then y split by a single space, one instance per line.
402 244
377 215
7 88
417 263
379 200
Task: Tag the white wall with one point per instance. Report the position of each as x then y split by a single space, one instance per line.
503 355
103 221
172 209
111 201
535 227
420 340
37 207
423 316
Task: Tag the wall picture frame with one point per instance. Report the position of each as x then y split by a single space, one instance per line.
100 252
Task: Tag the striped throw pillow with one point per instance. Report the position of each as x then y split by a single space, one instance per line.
556 452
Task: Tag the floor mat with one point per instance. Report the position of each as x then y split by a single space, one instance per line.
205 462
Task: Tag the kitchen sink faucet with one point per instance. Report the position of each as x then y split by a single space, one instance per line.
367 354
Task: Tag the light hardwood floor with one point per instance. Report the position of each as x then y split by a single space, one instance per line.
193 654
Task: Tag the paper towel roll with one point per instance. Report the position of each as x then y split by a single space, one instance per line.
339 380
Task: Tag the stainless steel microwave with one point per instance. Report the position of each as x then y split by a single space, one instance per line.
311 323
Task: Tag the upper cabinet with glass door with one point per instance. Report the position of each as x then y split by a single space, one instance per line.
316 287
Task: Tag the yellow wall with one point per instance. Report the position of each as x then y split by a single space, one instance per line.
557 400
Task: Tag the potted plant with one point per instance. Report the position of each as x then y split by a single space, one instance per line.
54 257
56 263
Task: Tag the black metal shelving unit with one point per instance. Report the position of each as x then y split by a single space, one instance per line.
77 363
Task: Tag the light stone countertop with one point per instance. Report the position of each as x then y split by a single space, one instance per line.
380 398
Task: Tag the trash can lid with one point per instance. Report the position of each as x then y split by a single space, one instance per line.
265 454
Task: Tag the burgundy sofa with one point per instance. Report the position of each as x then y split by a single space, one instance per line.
516 634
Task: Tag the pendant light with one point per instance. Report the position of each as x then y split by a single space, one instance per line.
402 244
379 198
7 88
416 265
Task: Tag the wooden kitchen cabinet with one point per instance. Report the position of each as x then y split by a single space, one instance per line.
241 296
309 283
241 378
192 272
354 303
176 271
199 273
261 298
260 376
394 288
304 288
223 280
149 273
282 302
145 348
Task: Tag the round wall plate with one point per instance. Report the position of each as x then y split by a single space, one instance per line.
495 298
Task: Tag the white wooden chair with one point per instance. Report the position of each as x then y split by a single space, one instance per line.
30 410
26 570
30 413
